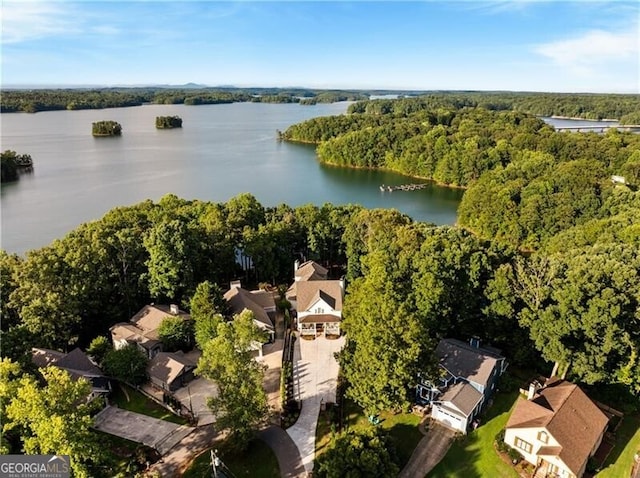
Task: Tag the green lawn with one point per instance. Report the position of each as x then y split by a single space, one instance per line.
257 462
403 428
474 455
127 398
620 460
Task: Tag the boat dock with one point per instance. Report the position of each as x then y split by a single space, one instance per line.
403 187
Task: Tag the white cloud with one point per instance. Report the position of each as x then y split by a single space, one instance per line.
23 21
585 53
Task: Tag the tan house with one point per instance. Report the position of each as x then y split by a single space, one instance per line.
317 300
142 329
557 428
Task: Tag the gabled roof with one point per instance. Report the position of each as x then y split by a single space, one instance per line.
463 396
318 318
143 327
77 360
45 357
328 290
462 360
240 299
168 366
149 318
568 415
310 270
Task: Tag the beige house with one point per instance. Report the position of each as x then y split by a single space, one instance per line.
142 329
317 300
557 429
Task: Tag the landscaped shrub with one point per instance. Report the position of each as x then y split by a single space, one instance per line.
514 455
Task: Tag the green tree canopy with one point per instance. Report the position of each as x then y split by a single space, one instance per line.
367 453
175 333
241 404
127 364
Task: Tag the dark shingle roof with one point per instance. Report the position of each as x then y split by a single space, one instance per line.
463 360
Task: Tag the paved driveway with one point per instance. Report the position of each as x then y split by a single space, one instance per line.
158 434
315 376
194 397
430 450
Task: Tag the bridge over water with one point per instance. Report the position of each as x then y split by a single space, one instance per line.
600 128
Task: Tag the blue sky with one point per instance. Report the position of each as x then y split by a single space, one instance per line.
524 45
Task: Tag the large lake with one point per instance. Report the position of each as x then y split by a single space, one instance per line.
221 151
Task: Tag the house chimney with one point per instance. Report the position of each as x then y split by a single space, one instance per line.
174 309
235 284
533 388
475 342
342 283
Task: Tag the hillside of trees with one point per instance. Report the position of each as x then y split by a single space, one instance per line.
525 181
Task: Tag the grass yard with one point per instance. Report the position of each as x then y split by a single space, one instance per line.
123 457
258 461
474 456
620 460
403 428
127 398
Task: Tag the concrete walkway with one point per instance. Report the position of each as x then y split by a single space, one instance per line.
315 376
430 450
285 450
158 434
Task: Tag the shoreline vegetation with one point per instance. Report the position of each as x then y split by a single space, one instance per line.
598 107
524 181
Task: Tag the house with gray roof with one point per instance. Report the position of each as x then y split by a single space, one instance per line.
469 374
77 364
259 302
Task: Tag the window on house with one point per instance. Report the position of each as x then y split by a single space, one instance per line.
523 445
318 310
543 437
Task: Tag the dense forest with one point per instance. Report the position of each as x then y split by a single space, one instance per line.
408 285
32 101
525 181
587 106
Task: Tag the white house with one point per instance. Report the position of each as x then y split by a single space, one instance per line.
317 301
557 428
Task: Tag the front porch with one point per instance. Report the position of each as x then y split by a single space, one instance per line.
318 329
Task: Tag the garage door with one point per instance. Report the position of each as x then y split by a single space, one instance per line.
450 420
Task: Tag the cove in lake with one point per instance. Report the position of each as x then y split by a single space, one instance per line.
221 151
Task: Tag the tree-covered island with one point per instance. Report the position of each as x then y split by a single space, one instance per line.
168 122
12 163
106 128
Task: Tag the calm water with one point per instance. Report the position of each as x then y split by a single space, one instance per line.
221 151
